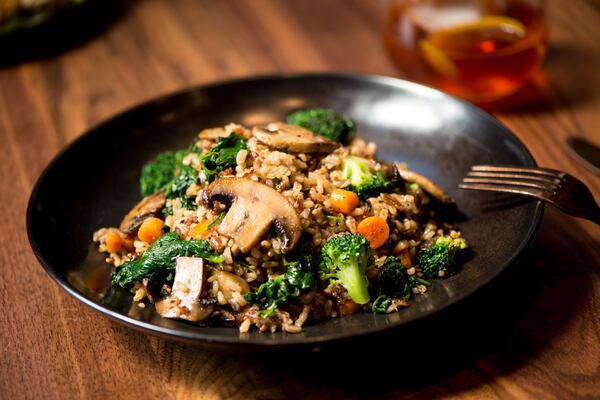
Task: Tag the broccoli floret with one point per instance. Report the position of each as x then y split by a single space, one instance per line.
299 277
364 182
393 282
345 259
326 123
438 260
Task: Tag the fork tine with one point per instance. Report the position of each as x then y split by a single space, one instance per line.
552 180
548 188
523 170
505 189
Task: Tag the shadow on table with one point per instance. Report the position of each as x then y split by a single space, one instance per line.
492 334
67 29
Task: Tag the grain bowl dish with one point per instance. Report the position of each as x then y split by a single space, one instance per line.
273 227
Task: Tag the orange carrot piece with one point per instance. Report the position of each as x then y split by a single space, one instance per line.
113 242
151 229
343 201
201 230
375 230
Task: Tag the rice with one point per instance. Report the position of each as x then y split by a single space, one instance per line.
306 181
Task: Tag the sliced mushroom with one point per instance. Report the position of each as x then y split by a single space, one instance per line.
233 288
149 206
292 138
184 302
427 185
255 207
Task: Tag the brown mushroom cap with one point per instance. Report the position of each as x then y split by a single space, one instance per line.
255 207
426 184
149 206
292 138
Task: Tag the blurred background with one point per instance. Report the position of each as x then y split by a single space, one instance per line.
113 53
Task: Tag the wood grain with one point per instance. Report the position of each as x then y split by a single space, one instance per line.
54 347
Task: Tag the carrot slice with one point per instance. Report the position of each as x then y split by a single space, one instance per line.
343 201
201 230
113 242
375 230
151 229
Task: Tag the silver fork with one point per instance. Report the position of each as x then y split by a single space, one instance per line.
558 188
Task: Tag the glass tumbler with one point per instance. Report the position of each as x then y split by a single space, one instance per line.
480 50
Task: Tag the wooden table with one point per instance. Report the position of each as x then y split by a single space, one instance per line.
51 346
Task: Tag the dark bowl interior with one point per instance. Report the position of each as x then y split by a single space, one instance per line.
94 182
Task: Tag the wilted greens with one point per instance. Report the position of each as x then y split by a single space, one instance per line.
159 259
168 172
393 282
299 278
158 174
222 156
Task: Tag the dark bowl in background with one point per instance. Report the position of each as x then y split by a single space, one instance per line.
49 33
94 182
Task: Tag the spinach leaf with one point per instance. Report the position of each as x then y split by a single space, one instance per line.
157 175
167 172
222 156
299 277
159 259
185 176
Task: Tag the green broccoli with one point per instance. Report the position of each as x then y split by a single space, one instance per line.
438 260
298 278
326 123
364 182
345 258
159 259
393 282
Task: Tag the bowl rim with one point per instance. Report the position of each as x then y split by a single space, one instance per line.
292 340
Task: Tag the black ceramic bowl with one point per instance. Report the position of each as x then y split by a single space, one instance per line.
94 182
46 33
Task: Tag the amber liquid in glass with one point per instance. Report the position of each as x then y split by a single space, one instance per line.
480 50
